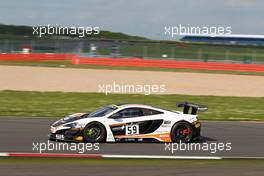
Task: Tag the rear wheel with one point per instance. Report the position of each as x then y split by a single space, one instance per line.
181 132
94 132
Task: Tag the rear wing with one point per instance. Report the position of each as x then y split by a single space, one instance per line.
194 107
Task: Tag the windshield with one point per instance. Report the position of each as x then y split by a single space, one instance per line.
103 111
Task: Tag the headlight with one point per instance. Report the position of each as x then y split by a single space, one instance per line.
74 125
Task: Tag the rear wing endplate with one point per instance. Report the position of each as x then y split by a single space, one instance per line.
194 107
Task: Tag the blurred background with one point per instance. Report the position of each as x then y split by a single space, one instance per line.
193 48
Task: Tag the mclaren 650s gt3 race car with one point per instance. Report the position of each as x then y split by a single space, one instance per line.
130 123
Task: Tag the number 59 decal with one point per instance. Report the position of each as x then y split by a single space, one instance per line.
132 129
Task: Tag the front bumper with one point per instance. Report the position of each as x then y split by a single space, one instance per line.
67 135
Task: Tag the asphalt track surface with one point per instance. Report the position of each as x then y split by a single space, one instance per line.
246 138
18 135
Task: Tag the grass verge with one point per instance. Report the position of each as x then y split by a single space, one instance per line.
58 104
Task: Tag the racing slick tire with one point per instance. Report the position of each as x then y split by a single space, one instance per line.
94 132
181 132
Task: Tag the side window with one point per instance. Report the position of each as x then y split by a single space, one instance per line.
148 112
129 113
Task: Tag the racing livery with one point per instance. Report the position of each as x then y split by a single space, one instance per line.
130 122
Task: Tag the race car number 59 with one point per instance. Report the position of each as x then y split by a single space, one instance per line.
132 129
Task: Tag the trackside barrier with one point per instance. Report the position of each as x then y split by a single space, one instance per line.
131 62
35 57
134 62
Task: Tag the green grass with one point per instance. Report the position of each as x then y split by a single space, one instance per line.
67 64
129 162
58 104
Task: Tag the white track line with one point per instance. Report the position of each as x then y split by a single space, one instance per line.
160 157
43 155
15 154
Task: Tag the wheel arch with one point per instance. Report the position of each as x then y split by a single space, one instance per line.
181 121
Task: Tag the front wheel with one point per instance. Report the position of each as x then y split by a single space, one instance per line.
181 132
94 132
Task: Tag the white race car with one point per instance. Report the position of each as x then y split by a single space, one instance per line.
130 122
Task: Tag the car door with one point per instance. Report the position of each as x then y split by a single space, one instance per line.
131 122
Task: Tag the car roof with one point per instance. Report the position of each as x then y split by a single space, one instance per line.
124 105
